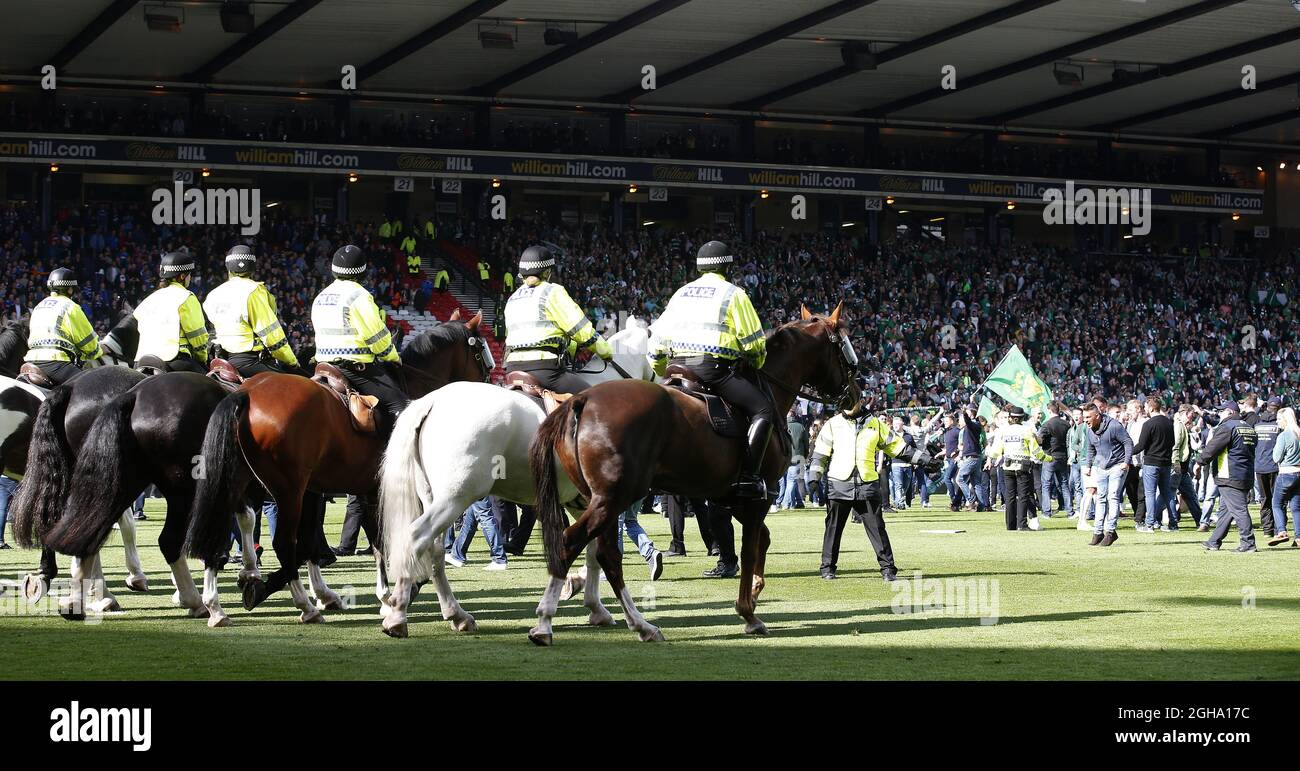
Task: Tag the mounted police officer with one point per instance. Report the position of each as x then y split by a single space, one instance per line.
60 336
244 318
543 324
352 335
172 327
711 328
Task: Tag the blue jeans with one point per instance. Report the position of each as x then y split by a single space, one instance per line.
479 514
8 489
900 474
1159 486
629 523
791 496
1110 489
1056 473
950 481
970 478
1286 495
922 484
1186 486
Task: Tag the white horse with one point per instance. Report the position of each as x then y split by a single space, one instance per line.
476 444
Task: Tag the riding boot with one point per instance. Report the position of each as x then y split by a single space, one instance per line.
751 484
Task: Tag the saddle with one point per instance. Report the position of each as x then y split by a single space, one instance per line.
33 374
727 421
529 386
223 371
150 365
360 407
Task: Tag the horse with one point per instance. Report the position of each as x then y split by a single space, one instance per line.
297 441
475 431
617 440
43 445
13 346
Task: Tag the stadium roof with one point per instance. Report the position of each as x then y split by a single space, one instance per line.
1180 60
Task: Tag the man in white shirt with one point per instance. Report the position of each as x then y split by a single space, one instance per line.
1134 419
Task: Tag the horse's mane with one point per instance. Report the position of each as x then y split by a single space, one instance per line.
12 337
424 346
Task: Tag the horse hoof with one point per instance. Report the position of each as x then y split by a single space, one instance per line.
34 587
652 635
572 585
312 616
396 631
218 621
106 605
200 612
137 584
757 628
334 603
70 614
600 617
466 624
540 639
254 593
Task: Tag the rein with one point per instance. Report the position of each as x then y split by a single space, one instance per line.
846 375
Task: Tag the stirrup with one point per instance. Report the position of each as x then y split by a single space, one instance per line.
751 487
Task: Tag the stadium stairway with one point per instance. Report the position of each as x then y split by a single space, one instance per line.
463 294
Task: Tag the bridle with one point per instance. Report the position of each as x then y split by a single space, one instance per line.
812 393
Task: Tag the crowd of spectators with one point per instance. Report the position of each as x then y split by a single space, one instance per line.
453 129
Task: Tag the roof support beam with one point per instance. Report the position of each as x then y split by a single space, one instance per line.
1211 100
897 52
253 39
424 39
1254 123
607 32
1163 71
107 18
774 35
1047 57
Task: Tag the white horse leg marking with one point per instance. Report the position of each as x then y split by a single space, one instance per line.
326 598
75 600
301 600
212 600
187 594
600 615
248 570
635 621
106 602
452 611
541 634
136 580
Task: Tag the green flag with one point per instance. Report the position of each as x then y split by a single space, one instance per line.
988 410
1015 381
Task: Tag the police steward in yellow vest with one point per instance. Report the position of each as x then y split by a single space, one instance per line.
710 327
60 337
846 451
173 331
544 324
1016 446
351 334
245 321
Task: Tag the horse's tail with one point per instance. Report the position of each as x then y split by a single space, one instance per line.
402 485
49 469
96 494
541 458
220 487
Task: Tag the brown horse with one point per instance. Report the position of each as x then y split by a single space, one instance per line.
618 440
296 439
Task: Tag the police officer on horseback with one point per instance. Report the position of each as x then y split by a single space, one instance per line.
60 337
544 324
245 320
711 328
352 335
173 331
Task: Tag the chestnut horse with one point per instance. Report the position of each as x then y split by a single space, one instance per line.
296 439
618 440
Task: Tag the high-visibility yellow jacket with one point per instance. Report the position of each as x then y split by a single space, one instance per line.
386 230
441 279
509 281
413 264
244 317
350 326
1016 446
708 317
408 244
542 320
171 323
484 273
843 445
59 331
430 230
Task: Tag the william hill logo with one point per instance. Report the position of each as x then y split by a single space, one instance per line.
673 174
148 151
415 162
903 185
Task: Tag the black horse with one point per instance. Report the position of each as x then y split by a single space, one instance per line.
150 435
13 347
